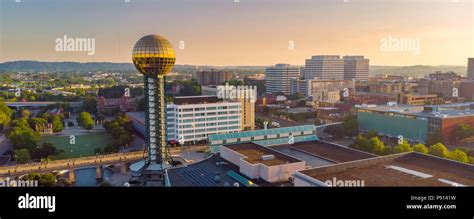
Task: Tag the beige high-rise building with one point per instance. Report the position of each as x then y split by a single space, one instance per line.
213 77
356 67
470 68
247 96
324 67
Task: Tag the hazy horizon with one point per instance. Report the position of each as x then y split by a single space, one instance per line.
243 65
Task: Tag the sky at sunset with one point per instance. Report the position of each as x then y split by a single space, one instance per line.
247 32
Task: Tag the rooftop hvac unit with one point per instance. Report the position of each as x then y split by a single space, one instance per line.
268 157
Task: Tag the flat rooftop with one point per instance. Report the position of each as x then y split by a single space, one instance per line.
331 152
254 154
202 174
406 169
301 110
196 100
443 111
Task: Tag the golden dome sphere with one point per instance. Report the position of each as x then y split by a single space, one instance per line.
153 55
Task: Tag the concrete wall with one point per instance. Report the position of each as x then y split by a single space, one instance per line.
231 155
250 170
257 170
280 172
301 180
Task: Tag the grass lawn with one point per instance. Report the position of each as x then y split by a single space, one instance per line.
85 144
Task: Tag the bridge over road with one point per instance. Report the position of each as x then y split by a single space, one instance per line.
73 163
70 163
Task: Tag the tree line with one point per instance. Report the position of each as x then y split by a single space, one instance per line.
371 143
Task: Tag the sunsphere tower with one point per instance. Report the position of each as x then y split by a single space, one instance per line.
153 56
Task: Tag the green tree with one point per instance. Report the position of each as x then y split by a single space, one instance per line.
25 114
5 115
58 125
47 180
86 121
471 160
458 155
438 150
31 176
89 104
22 156
36 122
21 123
420 148
403 147
23 138
360 143
376 146
46 150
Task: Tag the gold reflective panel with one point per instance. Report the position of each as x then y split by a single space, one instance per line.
154 55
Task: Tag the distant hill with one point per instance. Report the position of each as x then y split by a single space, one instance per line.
35 66
416 70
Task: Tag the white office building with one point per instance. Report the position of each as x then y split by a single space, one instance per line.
193 118
278 78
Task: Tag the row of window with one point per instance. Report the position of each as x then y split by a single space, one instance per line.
221 118
208 130
205 108
266 137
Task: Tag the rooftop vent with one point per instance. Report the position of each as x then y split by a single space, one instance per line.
268 157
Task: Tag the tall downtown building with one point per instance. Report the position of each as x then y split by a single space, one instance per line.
356 67
278 78
329 67
333 67
470 68
213 77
